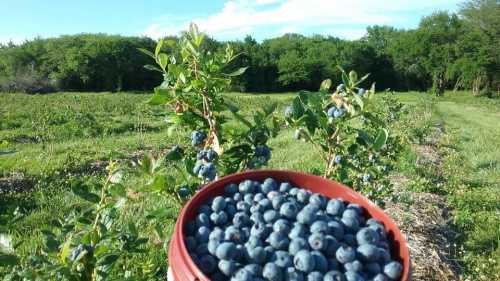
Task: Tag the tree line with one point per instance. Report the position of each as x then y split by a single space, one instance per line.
446 51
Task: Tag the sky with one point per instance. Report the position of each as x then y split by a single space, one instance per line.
224 20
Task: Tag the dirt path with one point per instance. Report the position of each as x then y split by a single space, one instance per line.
425 220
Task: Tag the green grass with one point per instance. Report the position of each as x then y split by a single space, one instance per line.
57 137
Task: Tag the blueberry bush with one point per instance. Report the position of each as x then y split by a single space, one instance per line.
194 80
349 132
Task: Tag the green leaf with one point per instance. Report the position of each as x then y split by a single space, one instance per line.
359 101
108 259
8 260
82 192
381 139
147 52
158 48
146 163
353 77
364 136
238 72
117 176
298 108
270 108
325 85
6 244
163 61
174 154
51 244
152 68
158 183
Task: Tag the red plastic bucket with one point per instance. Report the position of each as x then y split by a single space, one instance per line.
184 269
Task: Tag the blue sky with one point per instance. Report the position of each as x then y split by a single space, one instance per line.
26 19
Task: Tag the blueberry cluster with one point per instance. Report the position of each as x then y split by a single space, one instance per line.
274 231
262 155
335 112
197 138
205 167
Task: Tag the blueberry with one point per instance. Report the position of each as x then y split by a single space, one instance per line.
257 208
191 228
248 198
293 191
318 200
333 263
217 234
393 270
257 217
373 268
338 113
292 274
202 249
246 186
253 241
202 220
242 275
336 229
289 210
285 187
353 276
368 253
319 227
237 197
270 216
269 185
210 155
380 277
303 196
254 268
338 159
304 261
184 192
230 189
297 244
334 275
278 201
384 255
218 276
331 111
282 226
231 210
361 91
232 233
256 255
315 276
317 241
340 88
335 207
227 267
298 230
260 230
356 207
345 254
350 240
225 251
243 206
379 228
197 137
219 218
207 264
258 196
212 246
278 241
367 236
202 234
306 216
332 245
350 213
355 265
266 204
272 194
351 224
282 259
241 219
320 262
367 177
190 243
272 272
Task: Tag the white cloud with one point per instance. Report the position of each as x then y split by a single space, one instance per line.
240 17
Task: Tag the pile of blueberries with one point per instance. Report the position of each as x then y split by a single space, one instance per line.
274 231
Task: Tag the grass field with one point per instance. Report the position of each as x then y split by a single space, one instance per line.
51 138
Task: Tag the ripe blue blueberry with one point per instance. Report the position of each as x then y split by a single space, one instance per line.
304 261
393 270
332 245
297 244
219 218
255 269
361 91
225 251
334 275
190 242
303 196
272 194
340 88
353 276
367 177
351 224
231 210
227 267
248 198
333 263
367 235
320 262
256 255
233 233
266 204
268 185
257 217
355 265
278 201
202 234
216 234
242 275
335 207
243 206
241 219
230 189
319 226
317 241
315 276
212 246
278 241
210 155
282 259
350 213
380 277
197 168
202 249
345 254
331 111
281 226
338 159
197 138
338 113
272 272
336 228
289 111
384 256
368 252
298 230
318 200
258 196
285 187
246 186
293 191
350 240
292 274
372 268
207 264
289 210
260 230
379 228
306 216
